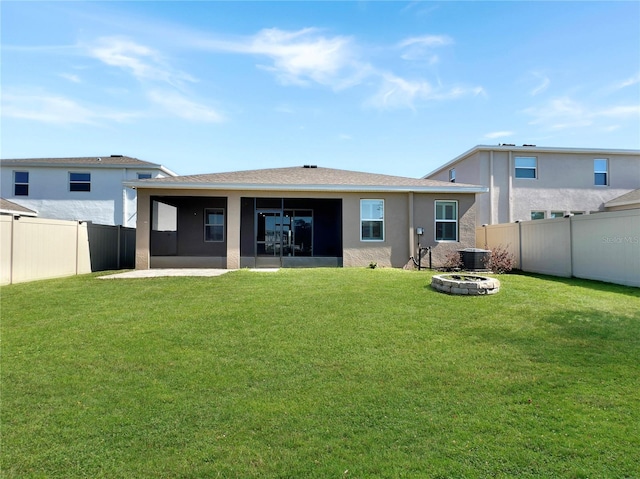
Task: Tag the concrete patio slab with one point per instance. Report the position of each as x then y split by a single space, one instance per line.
160 272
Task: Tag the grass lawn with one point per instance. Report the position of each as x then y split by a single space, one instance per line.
325 373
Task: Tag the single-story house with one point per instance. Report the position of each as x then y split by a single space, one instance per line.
299 216
628 201
10 208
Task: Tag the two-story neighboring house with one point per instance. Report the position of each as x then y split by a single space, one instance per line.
88 188
528 182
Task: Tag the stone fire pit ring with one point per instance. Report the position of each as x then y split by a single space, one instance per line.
465 284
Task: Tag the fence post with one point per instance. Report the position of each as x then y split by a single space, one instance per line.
119 230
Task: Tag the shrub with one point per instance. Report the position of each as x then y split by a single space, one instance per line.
500 260
452 262
373 265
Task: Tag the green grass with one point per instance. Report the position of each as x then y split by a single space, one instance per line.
319 373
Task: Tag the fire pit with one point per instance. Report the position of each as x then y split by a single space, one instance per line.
466 284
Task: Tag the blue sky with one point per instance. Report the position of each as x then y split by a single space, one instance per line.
385 87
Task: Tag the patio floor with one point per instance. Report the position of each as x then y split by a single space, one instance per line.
160 272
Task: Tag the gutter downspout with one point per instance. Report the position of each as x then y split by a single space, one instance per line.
491 190
510 188
412 245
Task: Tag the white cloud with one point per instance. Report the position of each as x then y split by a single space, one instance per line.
142 62
628 82
301 57
421 48
183 107
562 113
396 92
498 134
55 109
71 77
543 84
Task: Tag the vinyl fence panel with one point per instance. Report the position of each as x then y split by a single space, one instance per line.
606 247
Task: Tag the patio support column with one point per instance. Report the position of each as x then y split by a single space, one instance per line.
233 231
143 229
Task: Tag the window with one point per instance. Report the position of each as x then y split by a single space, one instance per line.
452 175
577 213
214 224
446 221
537 215
144 176
557 214
526 167
372 220
601 172
21 183
79 181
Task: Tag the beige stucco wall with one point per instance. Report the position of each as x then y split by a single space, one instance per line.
565 182
394 251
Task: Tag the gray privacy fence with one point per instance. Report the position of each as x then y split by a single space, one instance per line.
602 246
37 248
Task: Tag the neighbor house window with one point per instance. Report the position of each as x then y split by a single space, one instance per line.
537 215
557 214
526 167
21 183
601 172
372 220
446 221
79 181
214 224
577 213
452 175
144 176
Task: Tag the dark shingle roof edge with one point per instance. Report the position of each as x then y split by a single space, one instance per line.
110 161
9 207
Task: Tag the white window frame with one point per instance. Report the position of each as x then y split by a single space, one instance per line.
533 168
79 182
17 183
555 213
544 215
144 176
445 220
208 211
604 172
364 201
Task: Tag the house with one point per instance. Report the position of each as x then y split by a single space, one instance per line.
628 201
88 188
299 216
528 182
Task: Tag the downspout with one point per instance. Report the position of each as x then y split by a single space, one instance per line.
491 191
412 245
510 187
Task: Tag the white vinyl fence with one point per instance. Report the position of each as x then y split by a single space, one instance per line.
602 246
37 248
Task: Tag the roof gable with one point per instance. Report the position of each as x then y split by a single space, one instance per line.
306 178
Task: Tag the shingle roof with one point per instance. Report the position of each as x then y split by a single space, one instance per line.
305 178
110 160
7 206
628 198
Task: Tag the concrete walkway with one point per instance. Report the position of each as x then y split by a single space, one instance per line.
157 273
